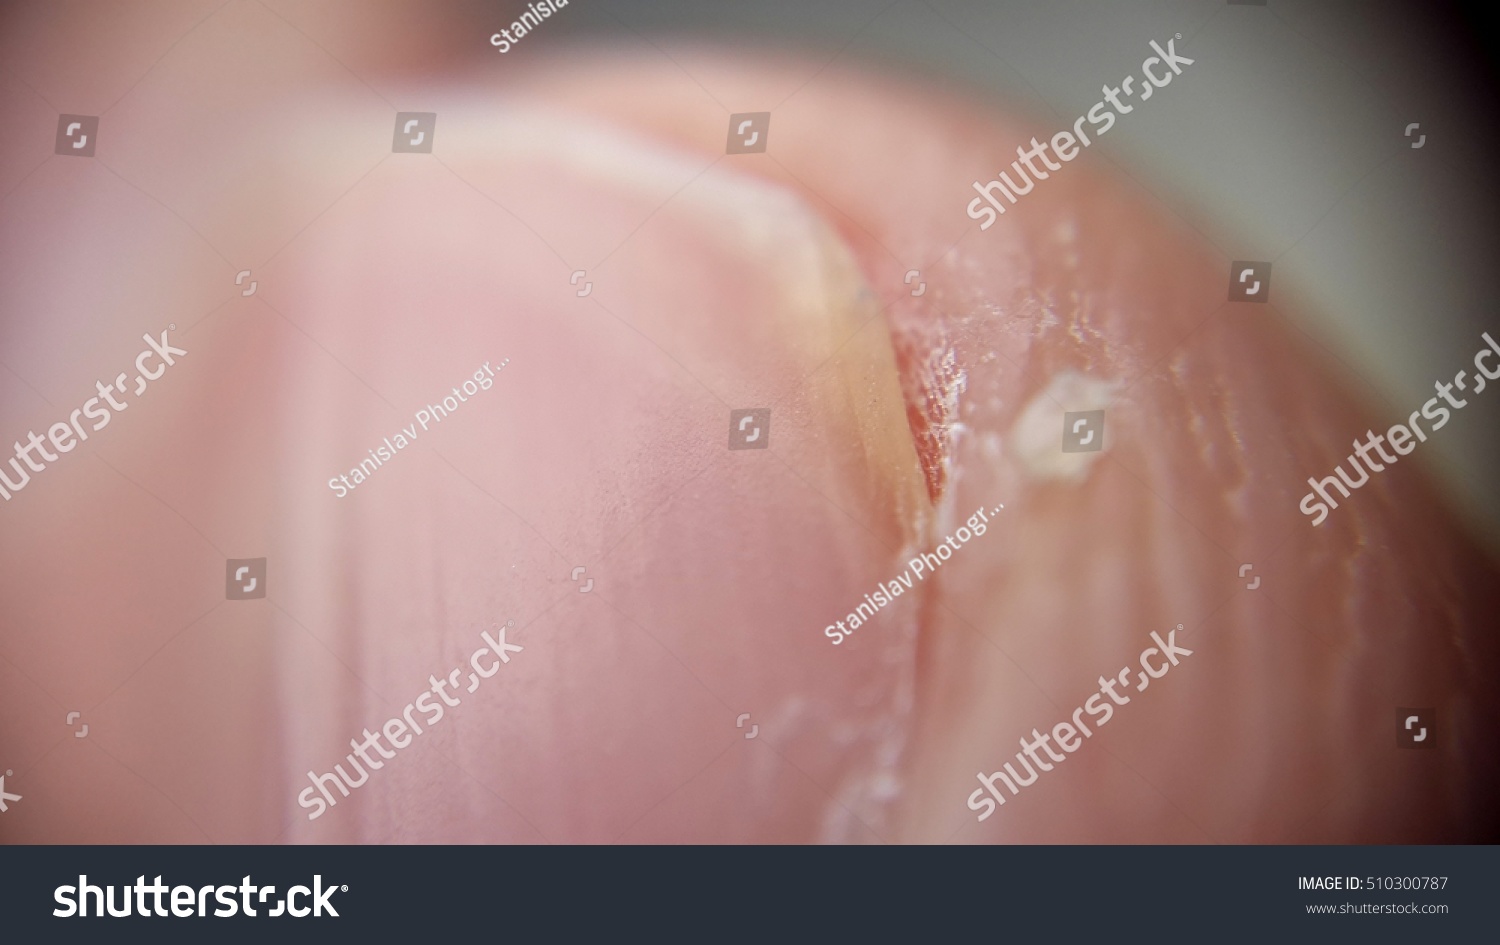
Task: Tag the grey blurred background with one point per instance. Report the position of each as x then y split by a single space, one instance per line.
1285 141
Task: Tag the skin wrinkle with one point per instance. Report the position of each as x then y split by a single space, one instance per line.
1280 391
713 595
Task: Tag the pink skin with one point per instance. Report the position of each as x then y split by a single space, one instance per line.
717 282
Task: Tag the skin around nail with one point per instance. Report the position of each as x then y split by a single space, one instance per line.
341 708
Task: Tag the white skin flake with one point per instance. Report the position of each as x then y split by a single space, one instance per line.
1036 437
